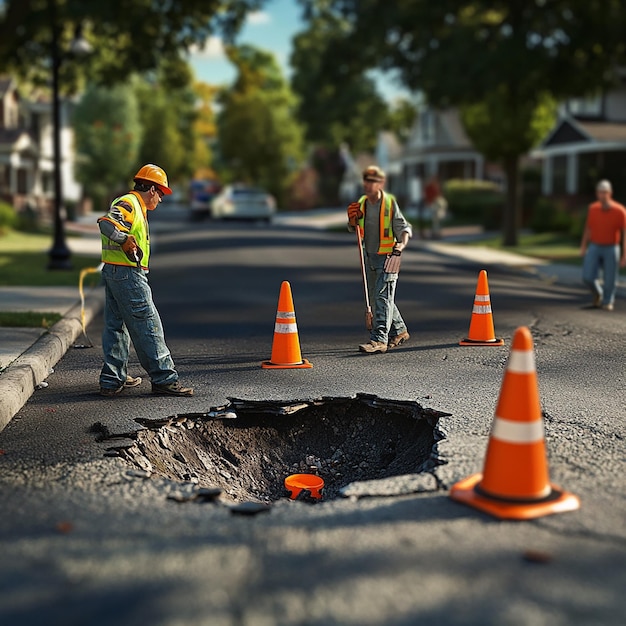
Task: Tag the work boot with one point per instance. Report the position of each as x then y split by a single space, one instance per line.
111 391
608 307
172 389
398 340
372 347
130 382
597 301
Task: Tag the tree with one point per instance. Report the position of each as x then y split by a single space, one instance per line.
507 55
168 111
205 129
107 134
402 116
504 136
260 140
351 111
127 37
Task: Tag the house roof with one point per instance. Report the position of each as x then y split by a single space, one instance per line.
569 130
5 83
605 131
452 125
16 139
449 138
392 143
8 136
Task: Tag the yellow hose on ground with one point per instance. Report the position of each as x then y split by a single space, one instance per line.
81 278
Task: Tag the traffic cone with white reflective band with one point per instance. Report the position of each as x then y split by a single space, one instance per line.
515 483
481 331
286 346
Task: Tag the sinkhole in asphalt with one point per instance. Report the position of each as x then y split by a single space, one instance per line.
247 448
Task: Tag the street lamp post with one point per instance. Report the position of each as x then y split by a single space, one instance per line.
59 254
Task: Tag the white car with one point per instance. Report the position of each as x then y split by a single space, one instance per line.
243 202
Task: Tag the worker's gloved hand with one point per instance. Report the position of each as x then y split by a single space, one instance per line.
131 249
393 261
354 213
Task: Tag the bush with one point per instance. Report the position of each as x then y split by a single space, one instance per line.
550 216
27 220
8 218
475 201
579 217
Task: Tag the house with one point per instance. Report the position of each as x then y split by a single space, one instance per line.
26 150
587 143
437 146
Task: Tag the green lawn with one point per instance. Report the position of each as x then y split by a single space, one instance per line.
555 247
29 319
24 258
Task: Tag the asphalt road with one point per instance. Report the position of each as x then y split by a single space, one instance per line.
85 541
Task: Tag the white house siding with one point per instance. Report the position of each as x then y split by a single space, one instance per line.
615 106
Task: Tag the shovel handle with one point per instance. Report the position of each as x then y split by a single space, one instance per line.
368 309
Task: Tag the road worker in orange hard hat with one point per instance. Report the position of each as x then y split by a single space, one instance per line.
130 313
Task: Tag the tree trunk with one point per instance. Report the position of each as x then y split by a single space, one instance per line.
511 218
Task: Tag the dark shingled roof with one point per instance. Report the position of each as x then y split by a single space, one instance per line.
5 83
8 136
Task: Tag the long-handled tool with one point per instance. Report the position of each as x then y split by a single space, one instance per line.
81 278
369 317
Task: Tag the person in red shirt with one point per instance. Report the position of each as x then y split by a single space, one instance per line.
605 229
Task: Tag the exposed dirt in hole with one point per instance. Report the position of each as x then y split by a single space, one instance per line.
343 440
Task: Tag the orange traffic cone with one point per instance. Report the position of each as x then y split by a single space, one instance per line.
515 482
481 332
286 347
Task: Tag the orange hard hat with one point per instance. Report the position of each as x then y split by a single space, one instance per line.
154 174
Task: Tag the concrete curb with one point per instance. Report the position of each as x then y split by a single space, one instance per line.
19 380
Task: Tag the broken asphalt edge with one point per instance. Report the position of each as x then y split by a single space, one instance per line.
20 379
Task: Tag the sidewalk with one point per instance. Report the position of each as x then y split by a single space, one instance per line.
27 354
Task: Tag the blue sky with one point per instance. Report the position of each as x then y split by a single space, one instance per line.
271 29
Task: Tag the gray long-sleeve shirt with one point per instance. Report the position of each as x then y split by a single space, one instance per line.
109 230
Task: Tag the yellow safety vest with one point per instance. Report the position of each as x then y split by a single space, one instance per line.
112 252
387 238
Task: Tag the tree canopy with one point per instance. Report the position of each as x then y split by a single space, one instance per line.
260 140
108 136
505 55
350 111
126 37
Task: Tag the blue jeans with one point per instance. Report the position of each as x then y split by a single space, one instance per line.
130 315
606 257
382 290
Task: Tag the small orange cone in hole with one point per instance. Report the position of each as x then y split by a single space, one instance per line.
515 483
299 482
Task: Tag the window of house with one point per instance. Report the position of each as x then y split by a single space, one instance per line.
35 128
22 181
585 107
427 124
4 178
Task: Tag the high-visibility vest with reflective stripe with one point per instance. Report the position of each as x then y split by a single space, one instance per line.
387 238
112 252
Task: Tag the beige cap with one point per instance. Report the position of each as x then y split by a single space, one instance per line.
374 173
604 185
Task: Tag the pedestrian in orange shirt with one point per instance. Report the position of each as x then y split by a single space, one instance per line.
605 229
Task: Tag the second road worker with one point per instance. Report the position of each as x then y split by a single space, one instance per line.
384 230
129 312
